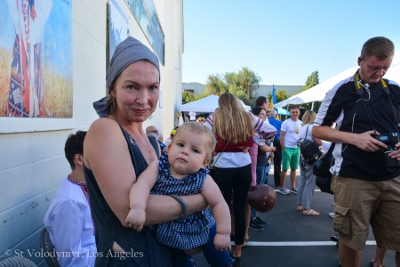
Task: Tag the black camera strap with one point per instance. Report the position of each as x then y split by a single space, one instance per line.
360 91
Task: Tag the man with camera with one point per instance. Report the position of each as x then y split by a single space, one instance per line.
366 181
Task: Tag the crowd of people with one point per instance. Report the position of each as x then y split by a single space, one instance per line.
135 199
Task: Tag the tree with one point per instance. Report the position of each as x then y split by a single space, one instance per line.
242 84
245 84
280 95
311 81
190 97
215 86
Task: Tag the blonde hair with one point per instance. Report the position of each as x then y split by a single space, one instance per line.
308 117
202 130
231 121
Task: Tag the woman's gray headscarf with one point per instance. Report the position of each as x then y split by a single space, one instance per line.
127 52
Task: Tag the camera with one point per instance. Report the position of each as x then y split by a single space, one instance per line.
390 139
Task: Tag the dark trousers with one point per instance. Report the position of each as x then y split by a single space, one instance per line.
235 182
277 162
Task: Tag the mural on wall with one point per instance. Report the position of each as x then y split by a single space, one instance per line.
118 26
36 58
146 16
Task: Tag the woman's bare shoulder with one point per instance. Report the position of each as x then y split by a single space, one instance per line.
96 140
103 122
103 127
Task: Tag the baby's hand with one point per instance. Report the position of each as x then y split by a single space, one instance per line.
222 242
136 218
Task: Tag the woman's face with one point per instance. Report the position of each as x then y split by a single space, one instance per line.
136 91
262 115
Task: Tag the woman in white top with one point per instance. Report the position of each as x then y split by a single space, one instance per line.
234 128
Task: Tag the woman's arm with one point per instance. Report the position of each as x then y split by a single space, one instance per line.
165 208
106 153
282 140
317 141
266 148
139 195
263 128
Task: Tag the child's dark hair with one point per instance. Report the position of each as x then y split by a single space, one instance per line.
256 110
73 146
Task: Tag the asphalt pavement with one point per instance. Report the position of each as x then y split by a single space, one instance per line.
292 239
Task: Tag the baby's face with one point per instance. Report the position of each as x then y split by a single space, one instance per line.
188 153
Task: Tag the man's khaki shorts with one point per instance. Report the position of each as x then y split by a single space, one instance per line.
359 203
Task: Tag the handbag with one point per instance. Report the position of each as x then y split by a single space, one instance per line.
309 150
321 169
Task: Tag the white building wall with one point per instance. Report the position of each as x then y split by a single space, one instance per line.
32 161
171 81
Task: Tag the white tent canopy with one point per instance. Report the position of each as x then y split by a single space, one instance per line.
318 92
205 105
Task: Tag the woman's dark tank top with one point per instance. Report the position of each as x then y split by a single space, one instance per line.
141 248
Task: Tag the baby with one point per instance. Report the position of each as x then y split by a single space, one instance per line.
183 172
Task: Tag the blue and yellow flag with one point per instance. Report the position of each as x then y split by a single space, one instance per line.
273 102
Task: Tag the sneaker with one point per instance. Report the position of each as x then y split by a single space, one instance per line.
335 238
259 222
255 227
331 214
284 191
293 190
237 261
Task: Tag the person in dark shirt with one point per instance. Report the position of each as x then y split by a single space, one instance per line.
365 181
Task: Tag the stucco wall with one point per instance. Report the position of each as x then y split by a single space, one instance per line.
32 162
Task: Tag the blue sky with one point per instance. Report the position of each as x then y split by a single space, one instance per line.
283 42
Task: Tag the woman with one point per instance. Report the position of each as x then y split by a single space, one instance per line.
261 165
234 129
306 186
117 151
263 151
